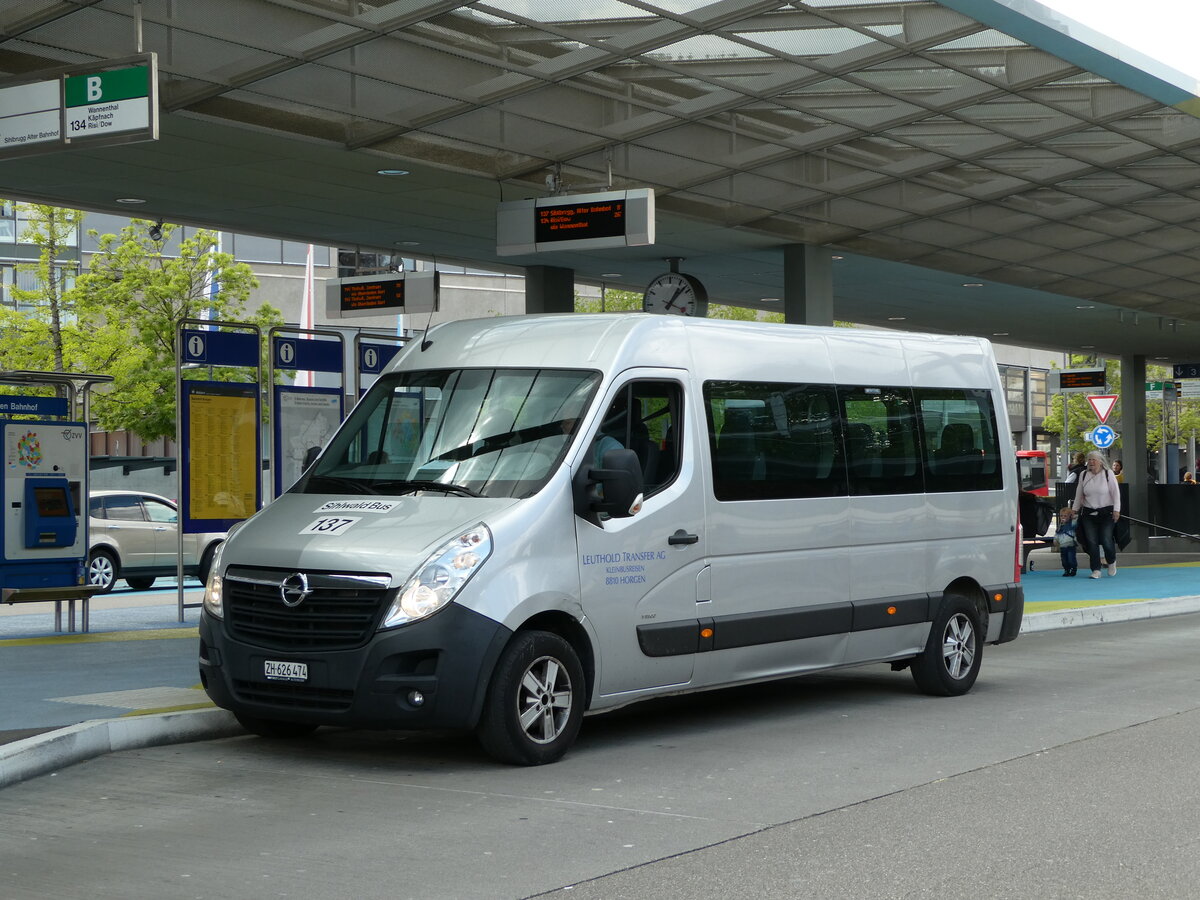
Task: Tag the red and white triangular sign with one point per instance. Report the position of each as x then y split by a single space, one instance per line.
1103 405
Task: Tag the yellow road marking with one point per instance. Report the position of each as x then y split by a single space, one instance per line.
1054 606
106 637
168 709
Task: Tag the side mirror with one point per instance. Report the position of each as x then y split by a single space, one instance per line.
615 489
310 457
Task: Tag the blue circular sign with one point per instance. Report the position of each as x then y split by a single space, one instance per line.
1103 436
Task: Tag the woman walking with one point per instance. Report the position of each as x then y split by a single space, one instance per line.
1097 504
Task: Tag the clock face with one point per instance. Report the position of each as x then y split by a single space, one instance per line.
677 294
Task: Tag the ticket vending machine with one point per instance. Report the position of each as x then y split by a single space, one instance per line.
43 532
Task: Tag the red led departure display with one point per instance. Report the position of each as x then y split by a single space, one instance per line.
574 221
380 295
1073 379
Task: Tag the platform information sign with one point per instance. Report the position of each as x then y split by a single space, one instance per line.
1066 381
95 104
576 222
221 447
103 103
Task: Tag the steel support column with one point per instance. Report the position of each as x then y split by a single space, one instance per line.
549 289
807 285
1133 454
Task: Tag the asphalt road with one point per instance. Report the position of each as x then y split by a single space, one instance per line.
1070 771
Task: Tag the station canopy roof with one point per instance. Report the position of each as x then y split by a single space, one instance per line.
974 170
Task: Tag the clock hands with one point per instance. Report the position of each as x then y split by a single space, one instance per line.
671 302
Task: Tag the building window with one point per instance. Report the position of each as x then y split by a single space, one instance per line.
1039 397
355 262
1014 394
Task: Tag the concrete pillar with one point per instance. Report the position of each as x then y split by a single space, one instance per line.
807 285
1133 454
549 289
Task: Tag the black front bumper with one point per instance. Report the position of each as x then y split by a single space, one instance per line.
446 659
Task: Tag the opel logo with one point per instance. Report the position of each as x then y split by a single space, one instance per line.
294 589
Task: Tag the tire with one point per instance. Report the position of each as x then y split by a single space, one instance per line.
103 570
534 704
954 652
274 728
139 582
206 561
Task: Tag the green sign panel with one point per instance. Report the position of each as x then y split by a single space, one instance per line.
107 87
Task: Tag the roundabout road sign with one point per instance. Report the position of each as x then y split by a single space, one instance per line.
1103 436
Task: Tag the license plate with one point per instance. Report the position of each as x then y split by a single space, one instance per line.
285 671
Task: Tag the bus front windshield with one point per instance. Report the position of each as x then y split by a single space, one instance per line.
470 432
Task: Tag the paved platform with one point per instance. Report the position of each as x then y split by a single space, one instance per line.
132 681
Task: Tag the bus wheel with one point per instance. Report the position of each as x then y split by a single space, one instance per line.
534 705
274 728
954 651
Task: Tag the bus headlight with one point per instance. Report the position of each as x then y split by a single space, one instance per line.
214 603
440 577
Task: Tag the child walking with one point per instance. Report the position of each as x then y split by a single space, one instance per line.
1064 540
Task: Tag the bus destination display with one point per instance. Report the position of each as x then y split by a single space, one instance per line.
571 222
369 295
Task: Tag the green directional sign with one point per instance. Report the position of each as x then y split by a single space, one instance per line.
104 103
95 104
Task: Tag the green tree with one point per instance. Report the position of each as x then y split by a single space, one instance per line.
134 296
40 330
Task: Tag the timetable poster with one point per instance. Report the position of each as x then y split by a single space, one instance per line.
220 454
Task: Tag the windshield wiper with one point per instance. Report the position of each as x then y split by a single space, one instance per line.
420 485
338 481
502 441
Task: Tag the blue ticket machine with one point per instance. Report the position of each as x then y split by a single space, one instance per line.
43 532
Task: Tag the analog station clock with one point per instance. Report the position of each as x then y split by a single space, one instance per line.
676 293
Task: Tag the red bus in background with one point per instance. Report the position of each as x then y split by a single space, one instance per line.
1032 466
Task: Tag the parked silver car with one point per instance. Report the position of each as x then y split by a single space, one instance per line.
133 535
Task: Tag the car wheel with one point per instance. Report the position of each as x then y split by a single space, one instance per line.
206 561
274 728
139 582
102 570
534 704
954 651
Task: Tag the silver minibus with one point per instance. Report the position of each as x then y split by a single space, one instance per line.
527 519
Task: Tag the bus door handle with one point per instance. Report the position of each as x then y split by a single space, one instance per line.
682 537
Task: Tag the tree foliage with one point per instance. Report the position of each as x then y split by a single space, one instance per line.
120 317
40 331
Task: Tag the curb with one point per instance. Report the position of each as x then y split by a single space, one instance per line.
49 752
1116 612
43 753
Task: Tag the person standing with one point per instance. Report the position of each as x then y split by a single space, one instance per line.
1078 465
1119 471
1097 505
1064 540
